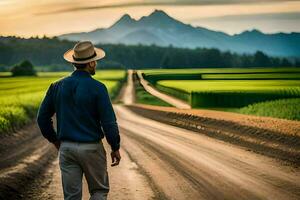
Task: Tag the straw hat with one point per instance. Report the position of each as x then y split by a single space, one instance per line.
84 52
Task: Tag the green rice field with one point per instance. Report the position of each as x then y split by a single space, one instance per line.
20 96
281 108
232 88
290 73
222 70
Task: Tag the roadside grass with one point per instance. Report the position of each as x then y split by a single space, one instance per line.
143 97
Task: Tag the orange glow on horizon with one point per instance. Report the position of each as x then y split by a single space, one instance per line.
19 17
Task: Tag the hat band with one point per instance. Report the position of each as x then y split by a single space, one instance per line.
83 59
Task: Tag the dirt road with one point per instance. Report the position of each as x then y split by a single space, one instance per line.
129 96
181 164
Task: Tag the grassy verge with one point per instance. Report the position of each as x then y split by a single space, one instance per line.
144 97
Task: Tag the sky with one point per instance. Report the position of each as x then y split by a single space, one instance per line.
28 18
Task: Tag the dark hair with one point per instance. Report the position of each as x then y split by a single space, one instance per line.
80 66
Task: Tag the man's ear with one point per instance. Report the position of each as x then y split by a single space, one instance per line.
90 64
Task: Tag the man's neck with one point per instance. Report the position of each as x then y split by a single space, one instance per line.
86 70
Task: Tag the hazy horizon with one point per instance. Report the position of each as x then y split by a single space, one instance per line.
28 18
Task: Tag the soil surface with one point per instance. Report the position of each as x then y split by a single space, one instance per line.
24 156
182 164
284 146
283 126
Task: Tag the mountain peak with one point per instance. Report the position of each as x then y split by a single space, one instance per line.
158 18
256 31
158 13
252 32
125 20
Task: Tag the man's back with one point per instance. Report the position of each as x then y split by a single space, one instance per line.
82 107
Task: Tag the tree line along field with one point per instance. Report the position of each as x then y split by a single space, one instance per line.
20 97
270 92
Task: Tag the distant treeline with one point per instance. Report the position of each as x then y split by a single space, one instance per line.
48 52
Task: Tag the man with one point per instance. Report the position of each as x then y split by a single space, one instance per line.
84 116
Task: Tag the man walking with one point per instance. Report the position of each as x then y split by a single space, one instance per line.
84 116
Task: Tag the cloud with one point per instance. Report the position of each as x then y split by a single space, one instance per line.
256 16
212 2
159 3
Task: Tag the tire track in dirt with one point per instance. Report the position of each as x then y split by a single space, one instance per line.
24 156
285 147
236 163
15 146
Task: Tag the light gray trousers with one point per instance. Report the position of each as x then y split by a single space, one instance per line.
76 159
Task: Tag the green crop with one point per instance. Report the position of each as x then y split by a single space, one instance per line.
229 85
153 76
20 97
281 108
222 70
230 93
248 76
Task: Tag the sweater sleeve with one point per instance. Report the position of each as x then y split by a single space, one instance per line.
108 119
45 114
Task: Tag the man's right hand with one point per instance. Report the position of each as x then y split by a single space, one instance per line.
115 158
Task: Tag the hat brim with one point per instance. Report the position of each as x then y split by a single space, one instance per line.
68 56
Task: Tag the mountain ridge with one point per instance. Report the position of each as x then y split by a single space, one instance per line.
161 29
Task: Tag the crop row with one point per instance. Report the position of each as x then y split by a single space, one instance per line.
229 93
239 98
222 70
154 77
249 76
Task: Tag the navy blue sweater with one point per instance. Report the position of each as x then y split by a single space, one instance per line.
83 110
